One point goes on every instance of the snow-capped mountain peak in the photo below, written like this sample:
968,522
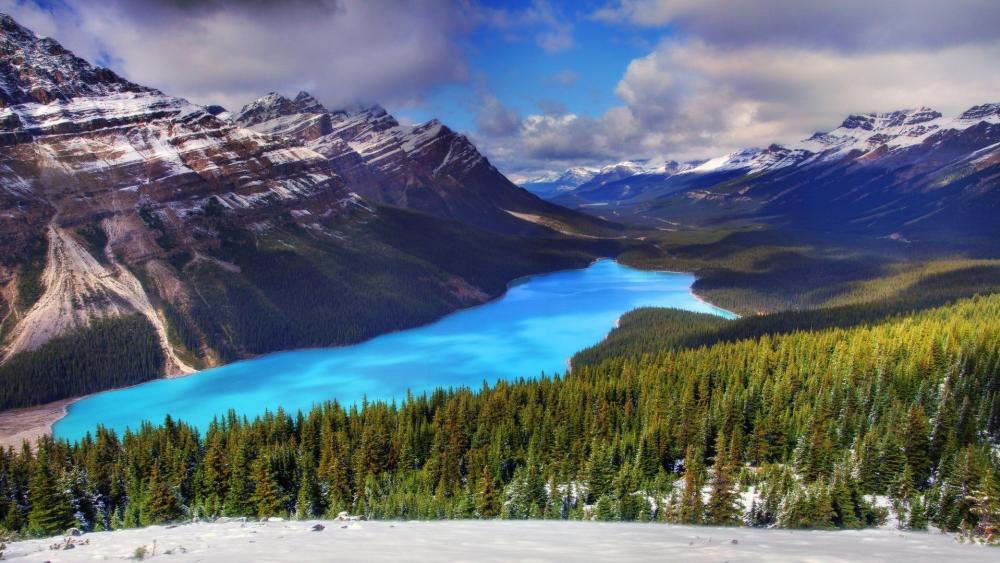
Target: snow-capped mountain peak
38,69
274,105
985,112
862,133
858,134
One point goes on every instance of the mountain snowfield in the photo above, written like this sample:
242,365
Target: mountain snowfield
472,540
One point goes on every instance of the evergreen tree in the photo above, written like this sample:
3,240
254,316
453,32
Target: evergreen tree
843,496
606,509
267,497
215,476
956,500
723,507
161,504
239,492
14,518
917,445
890,463
308,500
51,511
901,493
986,507
600,471
487,496
691,509
918,514
630,500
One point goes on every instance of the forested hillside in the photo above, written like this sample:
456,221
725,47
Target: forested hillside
292,288
763,269
815,426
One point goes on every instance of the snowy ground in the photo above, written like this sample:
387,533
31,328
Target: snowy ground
499,541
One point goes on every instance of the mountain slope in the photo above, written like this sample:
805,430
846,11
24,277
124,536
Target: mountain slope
121,203
426,167
908,173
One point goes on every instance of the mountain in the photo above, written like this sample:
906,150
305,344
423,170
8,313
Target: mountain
584,178
908,174
551,185
426,167
141,234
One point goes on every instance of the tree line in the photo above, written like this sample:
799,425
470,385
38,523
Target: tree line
822,428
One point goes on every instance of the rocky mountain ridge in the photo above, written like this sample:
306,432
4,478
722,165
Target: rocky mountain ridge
427,167
877,173
118,200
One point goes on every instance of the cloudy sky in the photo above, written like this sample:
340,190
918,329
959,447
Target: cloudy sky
542,85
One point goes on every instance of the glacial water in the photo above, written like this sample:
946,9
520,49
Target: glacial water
533,329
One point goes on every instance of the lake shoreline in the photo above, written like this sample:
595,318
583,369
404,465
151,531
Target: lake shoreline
31,423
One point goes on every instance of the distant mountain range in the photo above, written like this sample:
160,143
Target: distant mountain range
907,173
233,234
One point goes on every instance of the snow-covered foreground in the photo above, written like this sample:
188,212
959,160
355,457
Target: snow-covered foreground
499,541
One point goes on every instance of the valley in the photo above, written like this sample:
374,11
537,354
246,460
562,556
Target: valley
128,211
533,329
300,309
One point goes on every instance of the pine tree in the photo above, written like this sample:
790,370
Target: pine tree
215,476
691,509
647,458
918,514
240,489
334,471
600,471
606,509
900,494
487,496
843,496
14,519
267,497
630,501
51,511
917,445
161,504
307,501
986,507
890,464
954,507
724,502
526,496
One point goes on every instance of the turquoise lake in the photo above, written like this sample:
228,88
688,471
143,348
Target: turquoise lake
533,329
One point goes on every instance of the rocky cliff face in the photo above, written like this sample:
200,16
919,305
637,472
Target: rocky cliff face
38,69
426,167
90,158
